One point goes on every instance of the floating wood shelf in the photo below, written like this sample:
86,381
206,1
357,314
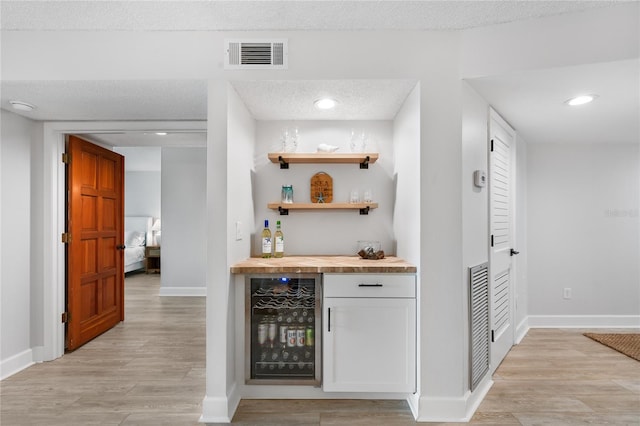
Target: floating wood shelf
284,208
284,158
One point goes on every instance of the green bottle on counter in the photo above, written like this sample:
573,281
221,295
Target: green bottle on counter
279,237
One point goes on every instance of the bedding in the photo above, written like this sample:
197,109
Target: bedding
136,234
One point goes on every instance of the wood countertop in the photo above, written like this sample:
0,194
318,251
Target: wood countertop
322,264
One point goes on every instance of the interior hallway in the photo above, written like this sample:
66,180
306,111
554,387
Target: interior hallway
149,370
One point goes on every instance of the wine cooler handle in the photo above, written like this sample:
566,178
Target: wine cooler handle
369,285
329,319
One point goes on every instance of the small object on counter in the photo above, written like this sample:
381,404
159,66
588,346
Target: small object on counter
371,255
370,250
323,147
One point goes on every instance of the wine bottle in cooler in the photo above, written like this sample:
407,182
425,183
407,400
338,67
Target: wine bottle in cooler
266,240
279,240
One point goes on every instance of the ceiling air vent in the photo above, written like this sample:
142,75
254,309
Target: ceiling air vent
256,54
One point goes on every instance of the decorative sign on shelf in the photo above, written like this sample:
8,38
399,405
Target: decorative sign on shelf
321,188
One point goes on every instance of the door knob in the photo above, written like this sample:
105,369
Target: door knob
121,246
514,252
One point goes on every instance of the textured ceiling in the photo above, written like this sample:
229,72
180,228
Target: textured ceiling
111,99
276,15
537,110
293,100
533,102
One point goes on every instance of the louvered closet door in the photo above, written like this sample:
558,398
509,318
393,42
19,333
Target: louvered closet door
501,238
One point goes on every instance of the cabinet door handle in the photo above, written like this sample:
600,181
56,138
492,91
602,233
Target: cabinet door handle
329,319
369,285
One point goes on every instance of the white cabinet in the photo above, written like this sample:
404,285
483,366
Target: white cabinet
369,333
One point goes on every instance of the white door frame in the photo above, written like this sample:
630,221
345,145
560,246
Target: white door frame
53,285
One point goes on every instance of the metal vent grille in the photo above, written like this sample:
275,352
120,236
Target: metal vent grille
478,323
256,54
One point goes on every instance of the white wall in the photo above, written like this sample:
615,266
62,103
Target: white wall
583,228
475,201
325,232
241,175
15,260
184,221
406,178
520,263
241,128
142,194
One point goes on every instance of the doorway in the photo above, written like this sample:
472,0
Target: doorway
53,290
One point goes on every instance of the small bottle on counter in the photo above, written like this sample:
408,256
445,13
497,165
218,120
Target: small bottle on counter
266,240
279,237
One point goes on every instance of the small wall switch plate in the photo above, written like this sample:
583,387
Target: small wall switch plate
566,293
480,178
238,231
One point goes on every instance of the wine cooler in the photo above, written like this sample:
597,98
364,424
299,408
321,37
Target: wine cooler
283,329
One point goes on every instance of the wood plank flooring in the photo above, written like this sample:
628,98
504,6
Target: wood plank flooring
149,370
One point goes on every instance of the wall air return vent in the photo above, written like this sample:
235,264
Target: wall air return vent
256,54
478,323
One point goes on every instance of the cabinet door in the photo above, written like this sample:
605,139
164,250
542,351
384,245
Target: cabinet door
369,345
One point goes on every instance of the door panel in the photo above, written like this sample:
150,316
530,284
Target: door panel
95,271
369,345
501,226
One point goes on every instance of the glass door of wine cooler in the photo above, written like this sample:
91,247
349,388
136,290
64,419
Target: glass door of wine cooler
283,329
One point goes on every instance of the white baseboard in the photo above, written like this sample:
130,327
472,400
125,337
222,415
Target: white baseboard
16,363
521,330
584,321
183,291
220,409
450,410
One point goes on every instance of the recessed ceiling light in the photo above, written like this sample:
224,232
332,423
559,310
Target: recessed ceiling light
580,100
325,103
161,133
22,106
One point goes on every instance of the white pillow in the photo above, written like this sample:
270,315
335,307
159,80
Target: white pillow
134,239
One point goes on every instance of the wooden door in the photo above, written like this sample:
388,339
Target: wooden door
95,255
501,193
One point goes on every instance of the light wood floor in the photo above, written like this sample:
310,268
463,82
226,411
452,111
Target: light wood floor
149,370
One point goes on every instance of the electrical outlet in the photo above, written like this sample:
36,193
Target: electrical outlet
238,231
566,293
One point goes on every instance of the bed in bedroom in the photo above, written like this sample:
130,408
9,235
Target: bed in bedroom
137,231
